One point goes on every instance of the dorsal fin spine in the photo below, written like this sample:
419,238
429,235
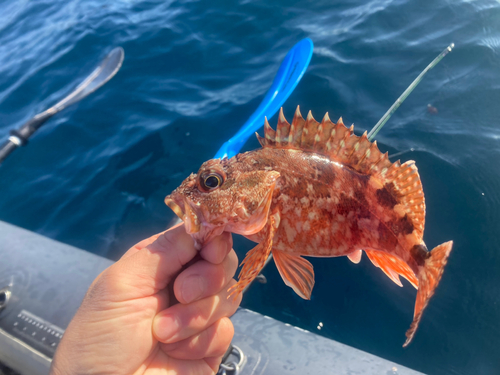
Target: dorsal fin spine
296,128
343,142
282,116
324,132
261,140
269,133
329,143
309,133
354,148
362,142
379,165
359,142
283,129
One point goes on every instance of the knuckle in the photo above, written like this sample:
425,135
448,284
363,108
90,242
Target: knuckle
167,242
103,287
218,337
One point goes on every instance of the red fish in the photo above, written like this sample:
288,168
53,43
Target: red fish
315,189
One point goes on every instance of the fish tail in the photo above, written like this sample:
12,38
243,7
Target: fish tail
429,276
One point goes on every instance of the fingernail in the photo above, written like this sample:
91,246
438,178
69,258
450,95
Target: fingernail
165,327
192,288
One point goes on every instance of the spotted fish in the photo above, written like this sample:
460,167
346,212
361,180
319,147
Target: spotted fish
315,189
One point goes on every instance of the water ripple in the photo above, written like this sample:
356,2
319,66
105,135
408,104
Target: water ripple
95,175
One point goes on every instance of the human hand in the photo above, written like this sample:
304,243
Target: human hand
128,322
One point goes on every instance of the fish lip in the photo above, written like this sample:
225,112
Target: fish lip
177,207
186,211
193,218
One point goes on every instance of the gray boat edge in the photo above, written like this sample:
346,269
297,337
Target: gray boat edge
48,279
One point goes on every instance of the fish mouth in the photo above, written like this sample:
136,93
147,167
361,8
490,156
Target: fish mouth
169,201
184,210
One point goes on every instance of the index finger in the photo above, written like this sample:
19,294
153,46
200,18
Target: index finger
140,245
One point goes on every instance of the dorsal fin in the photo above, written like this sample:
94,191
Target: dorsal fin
340,144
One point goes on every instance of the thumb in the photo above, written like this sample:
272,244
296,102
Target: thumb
149,266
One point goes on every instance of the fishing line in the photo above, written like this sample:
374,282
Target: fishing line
390,112
407,92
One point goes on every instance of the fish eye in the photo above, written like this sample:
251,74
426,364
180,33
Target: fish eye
211,181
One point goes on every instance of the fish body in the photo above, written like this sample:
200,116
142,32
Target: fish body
328,210
315,189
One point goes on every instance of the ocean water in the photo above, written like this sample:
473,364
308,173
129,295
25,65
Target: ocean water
95,175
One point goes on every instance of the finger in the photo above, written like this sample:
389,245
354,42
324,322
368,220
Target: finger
146,242
212,342
161,363
216,250
150,269
139,246
214,363
204,279
182,321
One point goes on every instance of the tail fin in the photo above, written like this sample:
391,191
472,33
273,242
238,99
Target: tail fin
428,279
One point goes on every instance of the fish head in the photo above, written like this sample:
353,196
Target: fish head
224,195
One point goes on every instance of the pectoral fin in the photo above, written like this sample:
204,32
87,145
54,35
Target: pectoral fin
255,258
296,272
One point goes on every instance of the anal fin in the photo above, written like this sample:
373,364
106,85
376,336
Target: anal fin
296,272
392,267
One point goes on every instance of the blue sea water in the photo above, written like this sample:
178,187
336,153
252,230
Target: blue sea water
95,175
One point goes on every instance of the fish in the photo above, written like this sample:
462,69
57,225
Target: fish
318,190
